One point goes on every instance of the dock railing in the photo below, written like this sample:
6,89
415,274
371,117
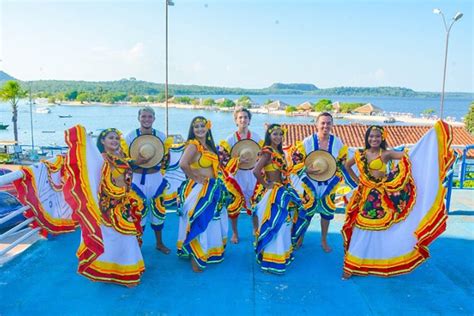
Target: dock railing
21,231
467,167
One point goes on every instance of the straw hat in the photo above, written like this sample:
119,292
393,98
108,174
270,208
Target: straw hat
149,147
247,149
324,162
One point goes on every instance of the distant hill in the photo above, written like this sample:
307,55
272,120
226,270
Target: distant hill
5,77
293,86
371,91
132,86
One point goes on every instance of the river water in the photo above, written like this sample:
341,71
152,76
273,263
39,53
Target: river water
48,129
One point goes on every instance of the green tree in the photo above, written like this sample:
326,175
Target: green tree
469,119
60,96
151,99
82,97
138,99
209,102
323,105
290,109
107,98
12,92
183,100
227,104
428,112
268,101
161,97
244,101
347,107
71,95
52,99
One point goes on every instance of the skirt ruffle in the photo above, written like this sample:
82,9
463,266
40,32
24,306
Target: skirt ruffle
404,245
273,247
203,222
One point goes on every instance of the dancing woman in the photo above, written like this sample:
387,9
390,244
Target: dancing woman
393,216
201,199
107,210
275,202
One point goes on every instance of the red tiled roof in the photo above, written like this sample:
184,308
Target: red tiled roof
353,134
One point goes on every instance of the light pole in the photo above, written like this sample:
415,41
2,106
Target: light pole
448,29
167,3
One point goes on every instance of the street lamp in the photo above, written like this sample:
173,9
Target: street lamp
167,3
448,29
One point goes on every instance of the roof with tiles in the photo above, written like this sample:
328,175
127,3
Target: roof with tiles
353,134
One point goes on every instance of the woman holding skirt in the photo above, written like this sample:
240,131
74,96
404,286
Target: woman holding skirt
275,201
393,216
107,210
201,200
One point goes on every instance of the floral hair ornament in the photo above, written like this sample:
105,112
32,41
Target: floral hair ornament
382,131
123,143
109,130
207,123
276,127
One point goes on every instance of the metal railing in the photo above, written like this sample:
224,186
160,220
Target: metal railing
21,231
21,153
465,167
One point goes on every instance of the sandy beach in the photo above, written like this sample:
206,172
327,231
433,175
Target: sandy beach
406,119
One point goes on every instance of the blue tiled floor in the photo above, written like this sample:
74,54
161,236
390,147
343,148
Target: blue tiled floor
43,280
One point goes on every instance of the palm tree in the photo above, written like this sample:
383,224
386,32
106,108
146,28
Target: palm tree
12,92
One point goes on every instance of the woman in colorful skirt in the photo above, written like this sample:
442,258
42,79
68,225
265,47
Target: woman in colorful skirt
275,201
201,200
393,216
107,210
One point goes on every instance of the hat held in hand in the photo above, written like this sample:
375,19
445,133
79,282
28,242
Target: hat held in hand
323,162
149,147
246,149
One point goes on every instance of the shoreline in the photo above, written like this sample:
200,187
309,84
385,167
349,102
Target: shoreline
406,119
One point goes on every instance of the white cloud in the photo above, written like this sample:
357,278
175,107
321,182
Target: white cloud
379,74
130,55
136,52
99,49
197,66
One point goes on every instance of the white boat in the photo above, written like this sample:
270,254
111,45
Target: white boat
43,110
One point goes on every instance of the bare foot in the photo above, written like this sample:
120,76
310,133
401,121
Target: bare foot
195,266
132,285
325,246
163,249
346,275
235,239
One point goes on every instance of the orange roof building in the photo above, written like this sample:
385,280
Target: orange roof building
353,135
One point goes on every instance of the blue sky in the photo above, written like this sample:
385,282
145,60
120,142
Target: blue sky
232,43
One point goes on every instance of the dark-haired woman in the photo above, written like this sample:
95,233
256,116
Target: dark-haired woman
105,207
394,215
201,199
275,202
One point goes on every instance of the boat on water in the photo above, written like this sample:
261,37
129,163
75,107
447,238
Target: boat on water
65,116
3,126
43,110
